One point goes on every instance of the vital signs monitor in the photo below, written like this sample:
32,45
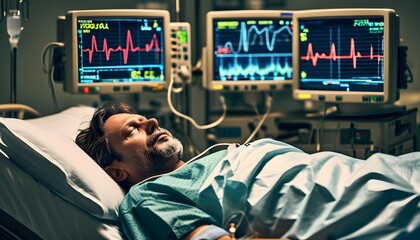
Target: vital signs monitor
117,51
346,55
248,50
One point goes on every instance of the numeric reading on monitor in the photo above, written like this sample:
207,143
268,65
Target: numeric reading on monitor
252,49
120,49
342,54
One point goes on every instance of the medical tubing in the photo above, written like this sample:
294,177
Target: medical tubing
242,216
321,129
178,90
25,8
51,82
49,47
177,10
327,112
268,103
208,149
13,77
48,68
191,120
337,130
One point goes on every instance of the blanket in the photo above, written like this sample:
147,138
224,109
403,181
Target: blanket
272,189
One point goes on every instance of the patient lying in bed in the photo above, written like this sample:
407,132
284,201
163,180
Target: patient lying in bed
264,189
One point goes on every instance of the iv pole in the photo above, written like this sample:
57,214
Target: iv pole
3,10
13,53
14,28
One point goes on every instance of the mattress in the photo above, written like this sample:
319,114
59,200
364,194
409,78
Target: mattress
43,213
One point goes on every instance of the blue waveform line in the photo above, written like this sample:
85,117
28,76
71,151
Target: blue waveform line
245,35
253,70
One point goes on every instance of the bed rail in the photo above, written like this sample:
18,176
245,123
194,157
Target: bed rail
17,110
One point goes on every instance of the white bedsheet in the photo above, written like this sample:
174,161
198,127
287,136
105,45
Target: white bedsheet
43,212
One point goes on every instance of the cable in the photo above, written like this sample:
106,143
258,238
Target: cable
320,130
208,149
178,90
233,227
191,120
45,50
256,111
327,111
48,68
268,104
177,10
336,134
352,139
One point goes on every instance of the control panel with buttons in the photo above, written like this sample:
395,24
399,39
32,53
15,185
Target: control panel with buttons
181,52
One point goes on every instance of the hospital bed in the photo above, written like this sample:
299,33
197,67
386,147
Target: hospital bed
50,189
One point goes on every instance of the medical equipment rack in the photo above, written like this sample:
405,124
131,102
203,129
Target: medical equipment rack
356,136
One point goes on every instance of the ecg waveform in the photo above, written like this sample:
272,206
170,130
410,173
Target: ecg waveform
128,48
252,69
314,57
245,39
254,52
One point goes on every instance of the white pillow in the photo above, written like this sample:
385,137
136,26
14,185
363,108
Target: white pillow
45,149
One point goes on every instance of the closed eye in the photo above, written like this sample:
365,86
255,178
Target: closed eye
134,124
132,130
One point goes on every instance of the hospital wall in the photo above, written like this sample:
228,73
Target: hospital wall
32,83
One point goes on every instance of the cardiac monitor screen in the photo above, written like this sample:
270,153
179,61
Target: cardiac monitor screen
120,49
252,49
342,54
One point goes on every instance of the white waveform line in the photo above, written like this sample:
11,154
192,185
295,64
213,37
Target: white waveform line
245,35
252,69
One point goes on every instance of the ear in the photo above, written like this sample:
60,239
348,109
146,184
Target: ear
116,171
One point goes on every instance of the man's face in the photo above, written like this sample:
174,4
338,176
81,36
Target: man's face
145,149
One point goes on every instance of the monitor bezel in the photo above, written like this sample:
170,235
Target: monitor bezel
210,83
72,82
391,42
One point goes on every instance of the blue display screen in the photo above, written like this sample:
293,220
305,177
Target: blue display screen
342,54
253,49
120,49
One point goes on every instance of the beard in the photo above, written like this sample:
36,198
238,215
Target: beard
165,156
169,149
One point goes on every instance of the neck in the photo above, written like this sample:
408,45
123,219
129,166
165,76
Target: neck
179,164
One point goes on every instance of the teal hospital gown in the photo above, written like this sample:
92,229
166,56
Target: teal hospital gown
165,207
271,189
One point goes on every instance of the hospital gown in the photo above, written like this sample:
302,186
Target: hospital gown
271,189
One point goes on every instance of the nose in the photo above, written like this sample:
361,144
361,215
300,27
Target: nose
150,125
